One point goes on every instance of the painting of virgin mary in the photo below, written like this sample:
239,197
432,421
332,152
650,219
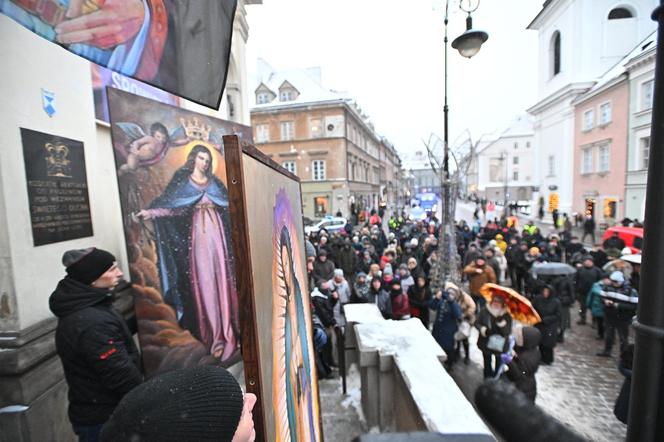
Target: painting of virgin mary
191,228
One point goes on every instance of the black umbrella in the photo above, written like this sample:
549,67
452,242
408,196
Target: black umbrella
552,269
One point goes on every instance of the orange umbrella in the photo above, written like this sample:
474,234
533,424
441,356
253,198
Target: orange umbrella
519,307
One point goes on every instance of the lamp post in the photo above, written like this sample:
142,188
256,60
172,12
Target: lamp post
646,408
468,44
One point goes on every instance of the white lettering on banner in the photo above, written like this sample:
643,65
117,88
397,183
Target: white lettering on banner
123,83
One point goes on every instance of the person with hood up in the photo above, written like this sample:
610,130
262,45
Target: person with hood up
388,275
550,310
400,305
500,242
620,304
99,357
380,297
524,361
361,289
324,309
419,295
468,308
323,268
405,277
494,323
448,313
479,273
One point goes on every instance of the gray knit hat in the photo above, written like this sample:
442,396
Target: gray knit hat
189,405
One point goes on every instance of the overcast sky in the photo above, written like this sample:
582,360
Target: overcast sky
388,54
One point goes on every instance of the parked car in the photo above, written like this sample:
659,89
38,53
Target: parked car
329,223
633,236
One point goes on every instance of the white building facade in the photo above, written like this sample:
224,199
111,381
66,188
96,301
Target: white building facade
506,166
641,71
578,41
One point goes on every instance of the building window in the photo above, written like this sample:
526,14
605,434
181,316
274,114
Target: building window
588,119
604,158
645,151
647,90
287,130
286,95
262,133
527,144
552,165
605,114
516,145
587,161
290,166
262,98
316,128
318,170
515,176
620,13
555,53
320,206
515,160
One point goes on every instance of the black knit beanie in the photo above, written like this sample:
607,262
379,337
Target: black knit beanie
87,265
193,404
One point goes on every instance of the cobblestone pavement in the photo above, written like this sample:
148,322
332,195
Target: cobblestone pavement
342,414
579,388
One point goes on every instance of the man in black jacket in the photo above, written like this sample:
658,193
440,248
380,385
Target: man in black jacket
99,357
586,276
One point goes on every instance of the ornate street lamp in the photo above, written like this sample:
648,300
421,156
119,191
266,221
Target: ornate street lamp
468,44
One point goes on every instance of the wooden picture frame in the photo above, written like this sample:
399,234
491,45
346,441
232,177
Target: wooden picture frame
274,306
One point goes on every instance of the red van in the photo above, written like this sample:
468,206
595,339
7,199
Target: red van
633,236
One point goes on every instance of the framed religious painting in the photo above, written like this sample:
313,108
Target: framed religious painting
173,186
277,327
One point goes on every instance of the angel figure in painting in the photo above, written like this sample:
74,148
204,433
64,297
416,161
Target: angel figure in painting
147,149
292,371
191,225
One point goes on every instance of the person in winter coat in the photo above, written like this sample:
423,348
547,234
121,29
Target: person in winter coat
323,308
323,268
523,265
621,407
448,313
340,290
479,273
414,268
549,309
364,264
500,243
493,322
347,258
419,296
400,305
99,357
468,309
407,280
564,288
586,276
360,289
596,306
620,303
381,298
523,364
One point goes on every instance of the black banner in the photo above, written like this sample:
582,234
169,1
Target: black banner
57,187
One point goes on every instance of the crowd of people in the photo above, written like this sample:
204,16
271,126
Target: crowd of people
393,264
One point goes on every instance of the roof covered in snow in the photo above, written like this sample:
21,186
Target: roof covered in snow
620,68
306,82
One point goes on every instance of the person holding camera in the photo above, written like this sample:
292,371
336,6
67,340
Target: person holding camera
494,323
